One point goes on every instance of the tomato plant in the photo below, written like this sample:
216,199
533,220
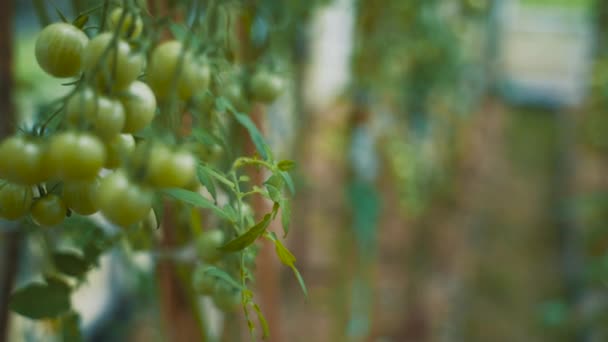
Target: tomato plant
145,126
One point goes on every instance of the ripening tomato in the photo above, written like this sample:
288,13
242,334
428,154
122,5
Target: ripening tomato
163,72
59,49
75,156
22,160
15,200
168,169
203,282
107,115
81,196
207,245
117,68
121,201
48,210
226,297
131,26
140,106
265,86
118,150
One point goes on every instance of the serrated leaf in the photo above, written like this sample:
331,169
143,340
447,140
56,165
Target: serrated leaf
80,21
287,177
285,216
242,241
196,200
263,322
38,301
286,165
254,133
206,180
288,259
70,263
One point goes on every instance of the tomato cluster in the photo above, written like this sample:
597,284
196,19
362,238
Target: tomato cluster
50,175
55,174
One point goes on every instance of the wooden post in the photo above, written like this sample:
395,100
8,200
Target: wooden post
11,238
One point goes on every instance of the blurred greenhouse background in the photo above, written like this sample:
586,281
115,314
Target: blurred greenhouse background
452,179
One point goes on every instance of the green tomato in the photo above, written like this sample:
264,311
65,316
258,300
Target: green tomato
195,81
162,73
131,27
118,68
168,169
81,108
81,196
76,156
265,86
22,160
207,245
59,49
48,210
107,115
110,118
15,200
122,202
226,297
140,106
203,282
119,149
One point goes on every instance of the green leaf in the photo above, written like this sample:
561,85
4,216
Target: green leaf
218,176
196,200
231,212
263,322
288,259
70,328
274,186
204,138
70,263
204,178
57,282
285,216
221,274
286,165
242,241
38,301
178,31
254,133
80,21
287,177
86,236
63,18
